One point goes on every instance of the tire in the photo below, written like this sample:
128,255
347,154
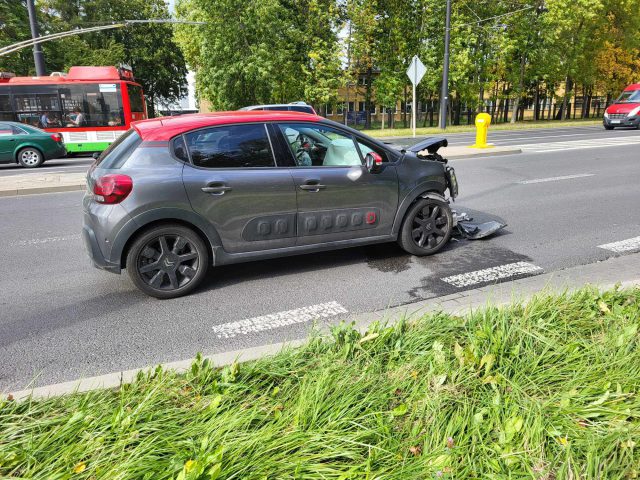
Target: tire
608,127
30,157
167,261
426,228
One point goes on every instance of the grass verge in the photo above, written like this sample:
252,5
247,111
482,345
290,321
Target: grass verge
406,132
546,390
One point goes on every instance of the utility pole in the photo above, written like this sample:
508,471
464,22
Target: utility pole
444,94
38,57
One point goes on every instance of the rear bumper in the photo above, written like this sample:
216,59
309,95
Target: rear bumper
59,152
93,249
622,122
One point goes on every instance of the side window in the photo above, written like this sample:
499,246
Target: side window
5,129
180,149
365,148
231,146
320,146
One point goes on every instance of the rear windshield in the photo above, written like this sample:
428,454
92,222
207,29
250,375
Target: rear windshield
118,152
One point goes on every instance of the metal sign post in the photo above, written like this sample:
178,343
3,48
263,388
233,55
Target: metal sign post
415,72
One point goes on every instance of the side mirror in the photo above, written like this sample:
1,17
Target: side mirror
373,162
96,155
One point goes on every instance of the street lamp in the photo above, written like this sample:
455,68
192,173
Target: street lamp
38,57
444,94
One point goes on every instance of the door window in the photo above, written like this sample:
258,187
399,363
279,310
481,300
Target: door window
5,130
231,146
320,146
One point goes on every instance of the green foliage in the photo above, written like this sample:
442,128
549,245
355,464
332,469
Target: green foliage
545,390
261,52
157,62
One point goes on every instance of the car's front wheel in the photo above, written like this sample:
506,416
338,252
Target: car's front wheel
427,227
608,127
30,157
168,261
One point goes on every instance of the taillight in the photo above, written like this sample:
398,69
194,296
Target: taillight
113,188
57,137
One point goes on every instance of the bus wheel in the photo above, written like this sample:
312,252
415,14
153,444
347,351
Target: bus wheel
30,157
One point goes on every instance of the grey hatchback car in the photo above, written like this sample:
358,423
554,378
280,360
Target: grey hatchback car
174,196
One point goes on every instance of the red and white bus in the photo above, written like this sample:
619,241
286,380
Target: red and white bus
90,106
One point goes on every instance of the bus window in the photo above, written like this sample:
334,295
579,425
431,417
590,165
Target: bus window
92,105
135,98
38,110
6,112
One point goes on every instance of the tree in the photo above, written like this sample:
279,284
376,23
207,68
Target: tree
14,27
149,49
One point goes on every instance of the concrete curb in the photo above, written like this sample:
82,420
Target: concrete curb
621,270
36,190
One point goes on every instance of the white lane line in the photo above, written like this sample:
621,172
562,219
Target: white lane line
40,241
280,319
492,274
580,144
554,179
623,246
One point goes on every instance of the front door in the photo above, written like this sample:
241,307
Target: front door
338,199
233,182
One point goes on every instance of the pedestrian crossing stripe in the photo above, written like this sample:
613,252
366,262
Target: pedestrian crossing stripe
580,144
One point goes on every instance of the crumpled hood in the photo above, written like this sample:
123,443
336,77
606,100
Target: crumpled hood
622,107
431,144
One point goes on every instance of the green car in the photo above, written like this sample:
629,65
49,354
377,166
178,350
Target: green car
29,146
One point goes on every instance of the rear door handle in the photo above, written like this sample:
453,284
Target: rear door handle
312,186
216,189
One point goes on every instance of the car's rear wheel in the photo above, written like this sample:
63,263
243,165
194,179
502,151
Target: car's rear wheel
427,227
30,157
168,261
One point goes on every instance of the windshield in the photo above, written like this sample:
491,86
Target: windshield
630,96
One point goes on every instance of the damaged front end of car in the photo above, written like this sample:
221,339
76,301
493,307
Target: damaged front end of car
466,226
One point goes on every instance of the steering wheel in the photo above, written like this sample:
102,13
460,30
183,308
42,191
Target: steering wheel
303,157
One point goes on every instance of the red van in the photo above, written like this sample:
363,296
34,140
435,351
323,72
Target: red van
625,111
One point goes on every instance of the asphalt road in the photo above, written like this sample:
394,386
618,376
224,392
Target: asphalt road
61,319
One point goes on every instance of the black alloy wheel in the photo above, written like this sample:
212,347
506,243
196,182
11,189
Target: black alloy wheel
168,261
427,227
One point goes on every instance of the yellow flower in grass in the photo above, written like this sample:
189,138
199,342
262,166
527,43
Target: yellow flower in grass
80,467
188,465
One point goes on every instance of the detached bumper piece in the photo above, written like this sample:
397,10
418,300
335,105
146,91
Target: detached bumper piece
467,228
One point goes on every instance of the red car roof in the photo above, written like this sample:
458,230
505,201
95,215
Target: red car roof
165,128
633,86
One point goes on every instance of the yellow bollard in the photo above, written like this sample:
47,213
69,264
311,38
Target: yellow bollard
483,120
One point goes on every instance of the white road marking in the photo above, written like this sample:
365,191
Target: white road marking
580,144
553,179
623,246
280,319
40,241
492,274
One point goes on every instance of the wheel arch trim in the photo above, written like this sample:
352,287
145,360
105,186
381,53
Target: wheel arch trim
429,189
158,216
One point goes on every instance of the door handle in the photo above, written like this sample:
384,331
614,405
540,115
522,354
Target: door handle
312,186
216,189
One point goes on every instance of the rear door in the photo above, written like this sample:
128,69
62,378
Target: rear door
232,180
338,199
7,142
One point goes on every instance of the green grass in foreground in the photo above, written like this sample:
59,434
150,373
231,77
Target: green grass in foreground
549,390
406,132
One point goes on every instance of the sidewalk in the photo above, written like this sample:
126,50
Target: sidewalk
30,183
624,270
